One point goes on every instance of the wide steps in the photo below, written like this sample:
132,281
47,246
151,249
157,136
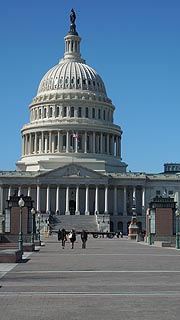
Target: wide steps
77,222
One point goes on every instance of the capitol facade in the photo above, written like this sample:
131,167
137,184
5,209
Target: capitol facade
71,160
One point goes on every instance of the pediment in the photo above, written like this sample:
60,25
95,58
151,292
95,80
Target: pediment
72,170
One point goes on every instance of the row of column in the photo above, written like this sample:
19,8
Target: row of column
77,197
58,141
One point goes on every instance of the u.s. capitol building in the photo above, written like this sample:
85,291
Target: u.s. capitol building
71,151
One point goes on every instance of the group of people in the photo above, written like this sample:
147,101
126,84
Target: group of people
63,237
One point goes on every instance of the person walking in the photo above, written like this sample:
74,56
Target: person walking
72,238
84,236
62,236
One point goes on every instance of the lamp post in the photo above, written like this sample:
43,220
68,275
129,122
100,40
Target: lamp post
39,222
177,229
32,226
20,240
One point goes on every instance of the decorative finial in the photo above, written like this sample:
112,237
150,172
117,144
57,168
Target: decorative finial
73,26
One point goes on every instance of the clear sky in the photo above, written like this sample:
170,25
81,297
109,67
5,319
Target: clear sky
133,44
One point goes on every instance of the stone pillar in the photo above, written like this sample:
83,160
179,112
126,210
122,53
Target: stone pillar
106,200
9,192
30,143
77,200
48,199
1,200
115,201
35,143
143,200
67,141
38,198
19,191
1,210
125,203
67,201
85,142
42,142
57,200
50,142
94,142
29,191
87,201
97,200
108,143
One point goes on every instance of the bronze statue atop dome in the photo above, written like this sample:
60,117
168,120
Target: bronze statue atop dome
72,16
73,26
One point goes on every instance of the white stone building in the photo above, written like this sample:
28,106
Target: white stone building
71,151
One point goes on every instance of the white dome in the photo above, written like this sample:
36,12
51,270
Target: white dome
70,74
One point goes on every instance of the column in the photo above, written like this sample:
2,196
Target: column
125,203
101,143
115,201
108,143
112,145
42,142
143,200
57,200
87,201
53,137
19,191
38,198
23,147
48,199
85,142
58,148
30,143
77,200
29,191
94,142
67,141
35,143
96,200
134,197
1,209
1,200
9,192
50,142
106,200
67,201
76,143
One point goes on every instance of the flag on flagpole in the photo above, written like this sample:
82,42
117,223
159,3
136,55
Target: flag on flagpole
75,136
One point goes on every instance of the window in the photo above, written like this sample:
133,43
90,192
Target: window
158,192
72,112
99,113
65,112
87,113
93,113
79,112
104,115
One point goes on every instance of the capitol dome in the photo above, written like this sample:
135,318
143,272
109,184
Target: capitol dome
69,75
71,118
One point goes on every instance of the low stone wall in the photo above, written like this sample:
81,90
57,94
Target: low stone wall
10,256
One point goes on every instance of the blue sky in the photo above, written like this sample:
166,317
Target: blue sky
133,44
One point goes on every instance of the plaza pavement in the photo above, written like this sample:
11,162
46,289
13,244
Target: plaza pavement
111,279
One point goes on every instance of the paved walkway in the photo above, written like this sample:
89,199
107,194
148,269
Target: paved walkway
111,279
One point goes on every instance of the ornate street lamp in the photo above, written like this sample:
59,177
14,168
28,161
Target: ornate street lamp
20,240
33,211
177,229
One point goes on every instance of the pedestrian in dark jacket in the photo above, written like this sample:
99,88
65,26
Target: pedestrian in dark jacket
72,238
84,237
62,236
